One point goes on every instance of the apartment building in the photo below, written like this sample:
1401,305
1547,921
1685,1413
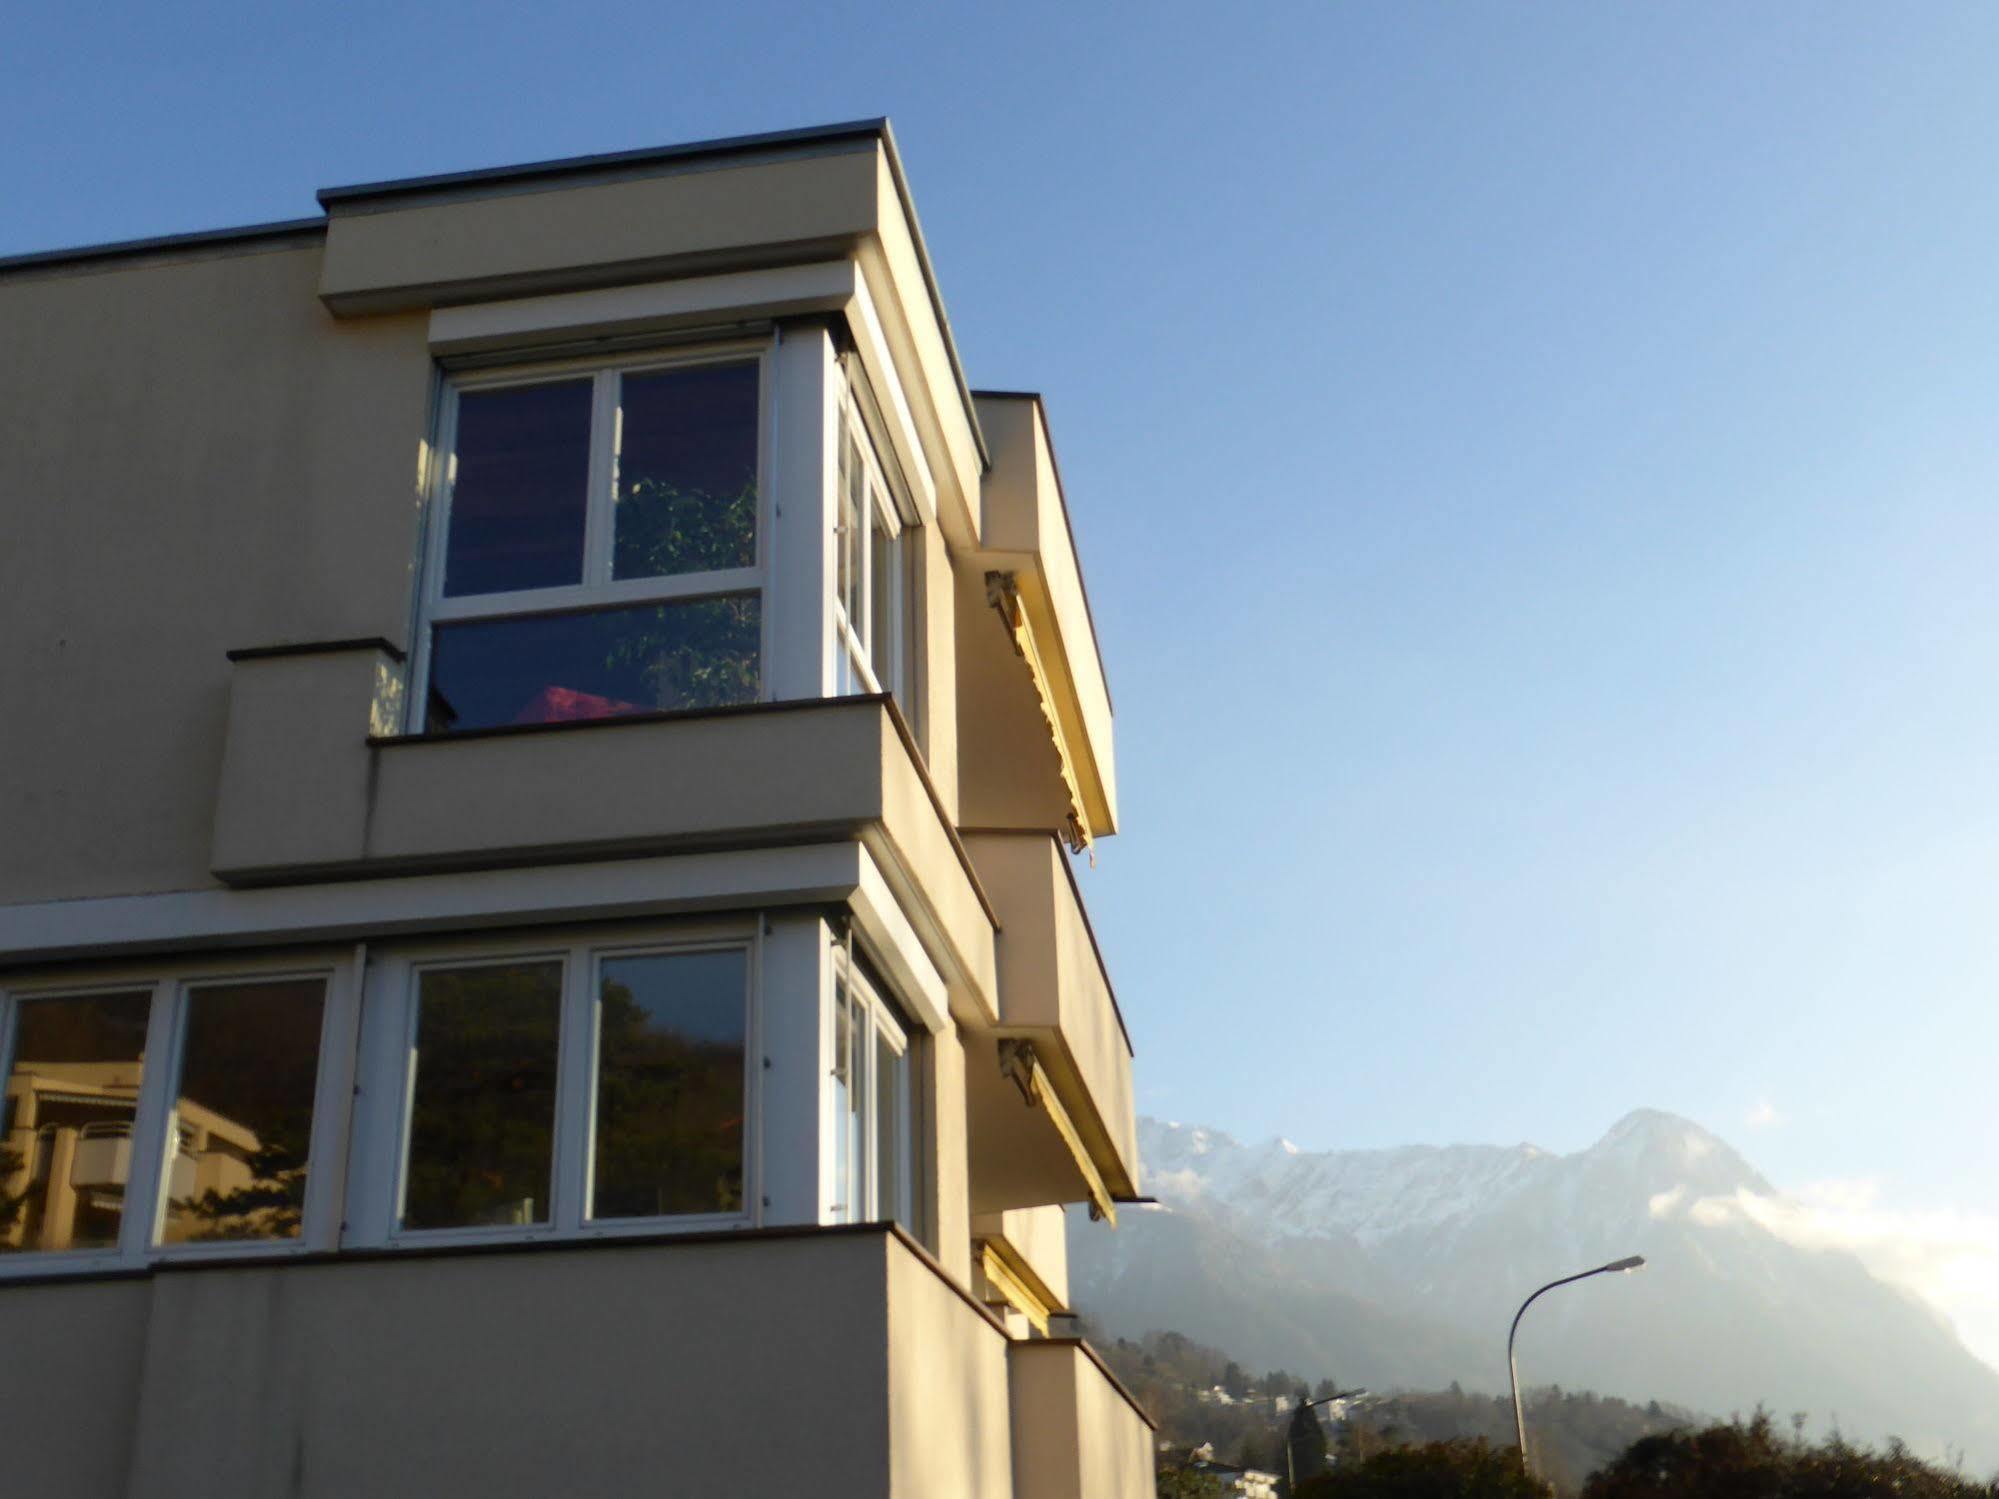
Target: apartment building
548,737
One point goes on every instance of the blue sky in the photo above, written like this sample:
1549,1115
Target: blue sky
1535,468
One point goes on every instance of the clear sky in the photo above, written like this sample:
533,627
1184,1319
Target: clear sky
1535,467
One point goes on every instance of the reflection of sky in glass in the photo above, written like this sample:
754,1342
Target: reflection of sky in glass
695,995
517,498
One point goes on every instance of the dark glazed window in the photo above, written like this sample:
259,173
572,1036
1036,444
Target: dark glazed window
548,668
72,1090
519,489
671,1034
243,1112
687,471
482,1111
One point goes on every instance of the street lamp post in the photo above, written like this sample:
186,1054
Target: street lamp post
1629,1263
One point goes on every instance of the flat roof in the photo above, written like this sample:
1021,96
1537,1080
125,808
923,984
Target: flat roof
445,182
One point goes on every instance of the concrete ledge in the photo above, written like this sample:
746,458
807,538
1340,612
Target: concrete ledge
1077,1432
585,1369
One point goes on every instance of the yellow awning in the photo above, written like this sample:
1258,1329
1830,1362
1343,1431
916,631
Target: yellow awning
1016,1283
1017,1058
1004,595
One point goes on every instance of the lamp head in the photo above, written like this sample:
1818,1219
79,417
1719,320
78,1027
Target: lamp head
1633,1262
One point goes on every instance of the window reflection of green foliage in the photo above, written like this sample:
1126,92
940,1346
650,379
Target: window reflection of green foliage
272,1206
484,1107
669,1117
664,529
697,655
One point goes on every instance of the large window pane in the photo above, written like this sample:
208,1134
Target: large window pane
521,475
242,1120
482,1111
72,1090
671,1031
687,471
546,668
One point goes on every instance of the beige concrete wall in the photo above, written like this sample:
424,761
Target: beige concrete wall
1039,1236
181,474
948,1134
1054,990
70,1360
566,233
937,595
949,1430
1009,775
1075,1435
595,1371
1027,532
598,1370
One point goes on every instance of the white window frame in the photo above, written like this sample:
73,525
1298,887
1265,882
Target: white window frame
885,508
853,986
169,985
376,1187
597,589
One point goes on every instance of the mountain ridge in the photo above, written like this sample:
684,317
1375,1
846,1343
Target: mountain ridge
1403,1265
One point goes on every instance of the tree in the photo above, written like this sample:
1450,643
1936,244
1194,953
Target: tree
1749,1458
1461,1469
1177,1482
1234,1381
1305,1443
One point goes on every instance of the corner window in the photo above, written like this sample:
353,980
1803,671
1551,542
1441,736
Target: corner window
171,1113
872,623
872,1104
596,546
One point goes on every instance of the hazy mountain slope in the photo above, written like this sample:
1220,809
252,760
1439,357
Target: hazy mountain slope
1403,1267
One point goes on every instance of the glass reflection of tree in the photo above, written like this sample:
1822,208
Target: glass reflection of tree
669,1117
484,1106
695,655
12,1204
272,1205
249,1070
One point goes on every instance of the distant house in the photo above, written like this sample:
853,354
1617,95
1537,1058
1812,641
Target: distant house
1248,1483
539,947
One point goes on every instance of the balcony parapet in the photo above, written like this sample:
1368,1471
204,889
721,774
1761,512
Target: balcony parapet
1078,1433
317,786
247,1377
1056,996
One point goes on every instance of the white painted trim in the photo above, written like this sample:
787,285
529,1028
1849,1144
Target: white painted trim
895,944
872,345
820,286
353,910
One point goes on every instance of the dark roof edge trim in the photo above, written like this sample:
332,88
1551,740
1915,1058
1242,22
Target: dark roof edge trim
566,166
167,243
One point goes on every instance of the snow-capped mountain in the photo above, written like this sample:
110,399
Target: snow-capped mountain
1404,1267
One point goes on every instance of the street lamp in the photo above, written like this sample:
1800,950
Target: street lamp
1629,1263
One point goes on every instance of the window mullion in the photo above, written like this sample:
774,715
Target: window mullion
600,514
145,1173
575,1105
335,1106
